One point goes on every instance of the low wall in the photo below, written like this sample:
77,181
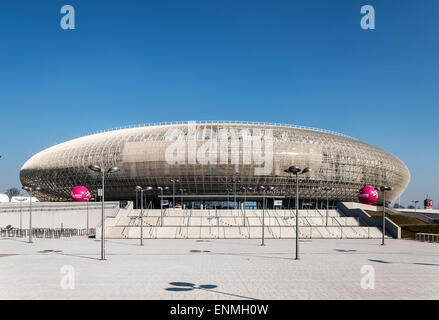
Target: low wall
352,209
55,214
111,220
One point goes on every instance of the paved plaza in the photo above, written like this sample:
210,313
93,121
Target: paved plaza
217,269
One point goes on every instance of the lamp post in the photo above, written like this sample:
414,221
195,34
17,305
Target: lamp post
384,189
296,170
21,224
245,200
140,189
327,189
98,169
416,203
86,200
161,204
173,191
234,180
30,190
263,214
182,190
264,206
137,198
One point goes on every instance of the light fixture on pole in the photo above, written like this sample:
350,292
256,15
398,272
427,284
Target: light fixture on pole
235,180
30,190
296,171
86,200
140,189
161,204
245,197
98,169
137,198
173,191
21,220
416,203
263,213
384,189
327,189
245,200
182,190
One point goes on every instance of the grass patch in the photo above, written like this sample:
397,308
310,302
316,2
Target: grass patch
409,226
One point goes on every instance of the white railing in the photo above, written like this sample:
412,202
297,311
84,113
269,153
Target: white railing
200,122
57,206
429,237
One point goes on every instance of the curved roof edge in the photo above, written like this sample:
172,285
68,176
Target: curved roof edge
273,124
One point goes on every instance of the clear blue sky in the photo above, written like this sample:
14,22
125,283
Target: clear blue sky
300,62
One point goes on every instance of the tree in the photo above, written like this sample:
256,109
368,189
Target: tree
13,192
411,207
398,206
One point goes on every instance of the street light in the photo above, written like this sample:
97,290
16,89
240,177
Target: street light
296,170
416,203
161,205
140,189
384,189
182,190
137,197
21,224
86,200
263,214
234,180
98,169
30,190
327,189
173,191
245,198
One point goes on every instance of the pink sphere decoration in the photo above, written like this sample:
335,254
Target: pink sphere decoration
368,195
80,193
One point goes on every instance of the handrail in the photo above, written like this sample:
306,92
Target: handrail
310,227
341,227
280,227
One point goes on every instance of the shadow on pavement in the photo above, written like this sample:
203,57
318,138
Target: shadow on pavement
187,286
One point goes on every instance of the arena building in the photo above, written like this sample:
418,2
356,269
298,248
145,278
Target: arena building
216,164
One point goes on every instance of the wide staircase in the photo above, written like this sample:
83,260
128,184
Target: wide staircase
239,224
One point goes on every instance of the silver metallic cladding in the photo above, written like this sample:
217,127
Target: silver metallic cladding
339,161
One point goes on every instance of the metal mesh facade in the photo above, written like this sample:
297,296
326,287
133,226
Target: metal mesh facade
209,158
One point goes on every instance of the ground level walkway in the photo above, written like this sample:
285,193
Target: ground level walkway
68,268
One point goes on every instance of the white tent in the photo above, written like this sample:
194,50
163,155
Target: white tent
4,198
24,199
